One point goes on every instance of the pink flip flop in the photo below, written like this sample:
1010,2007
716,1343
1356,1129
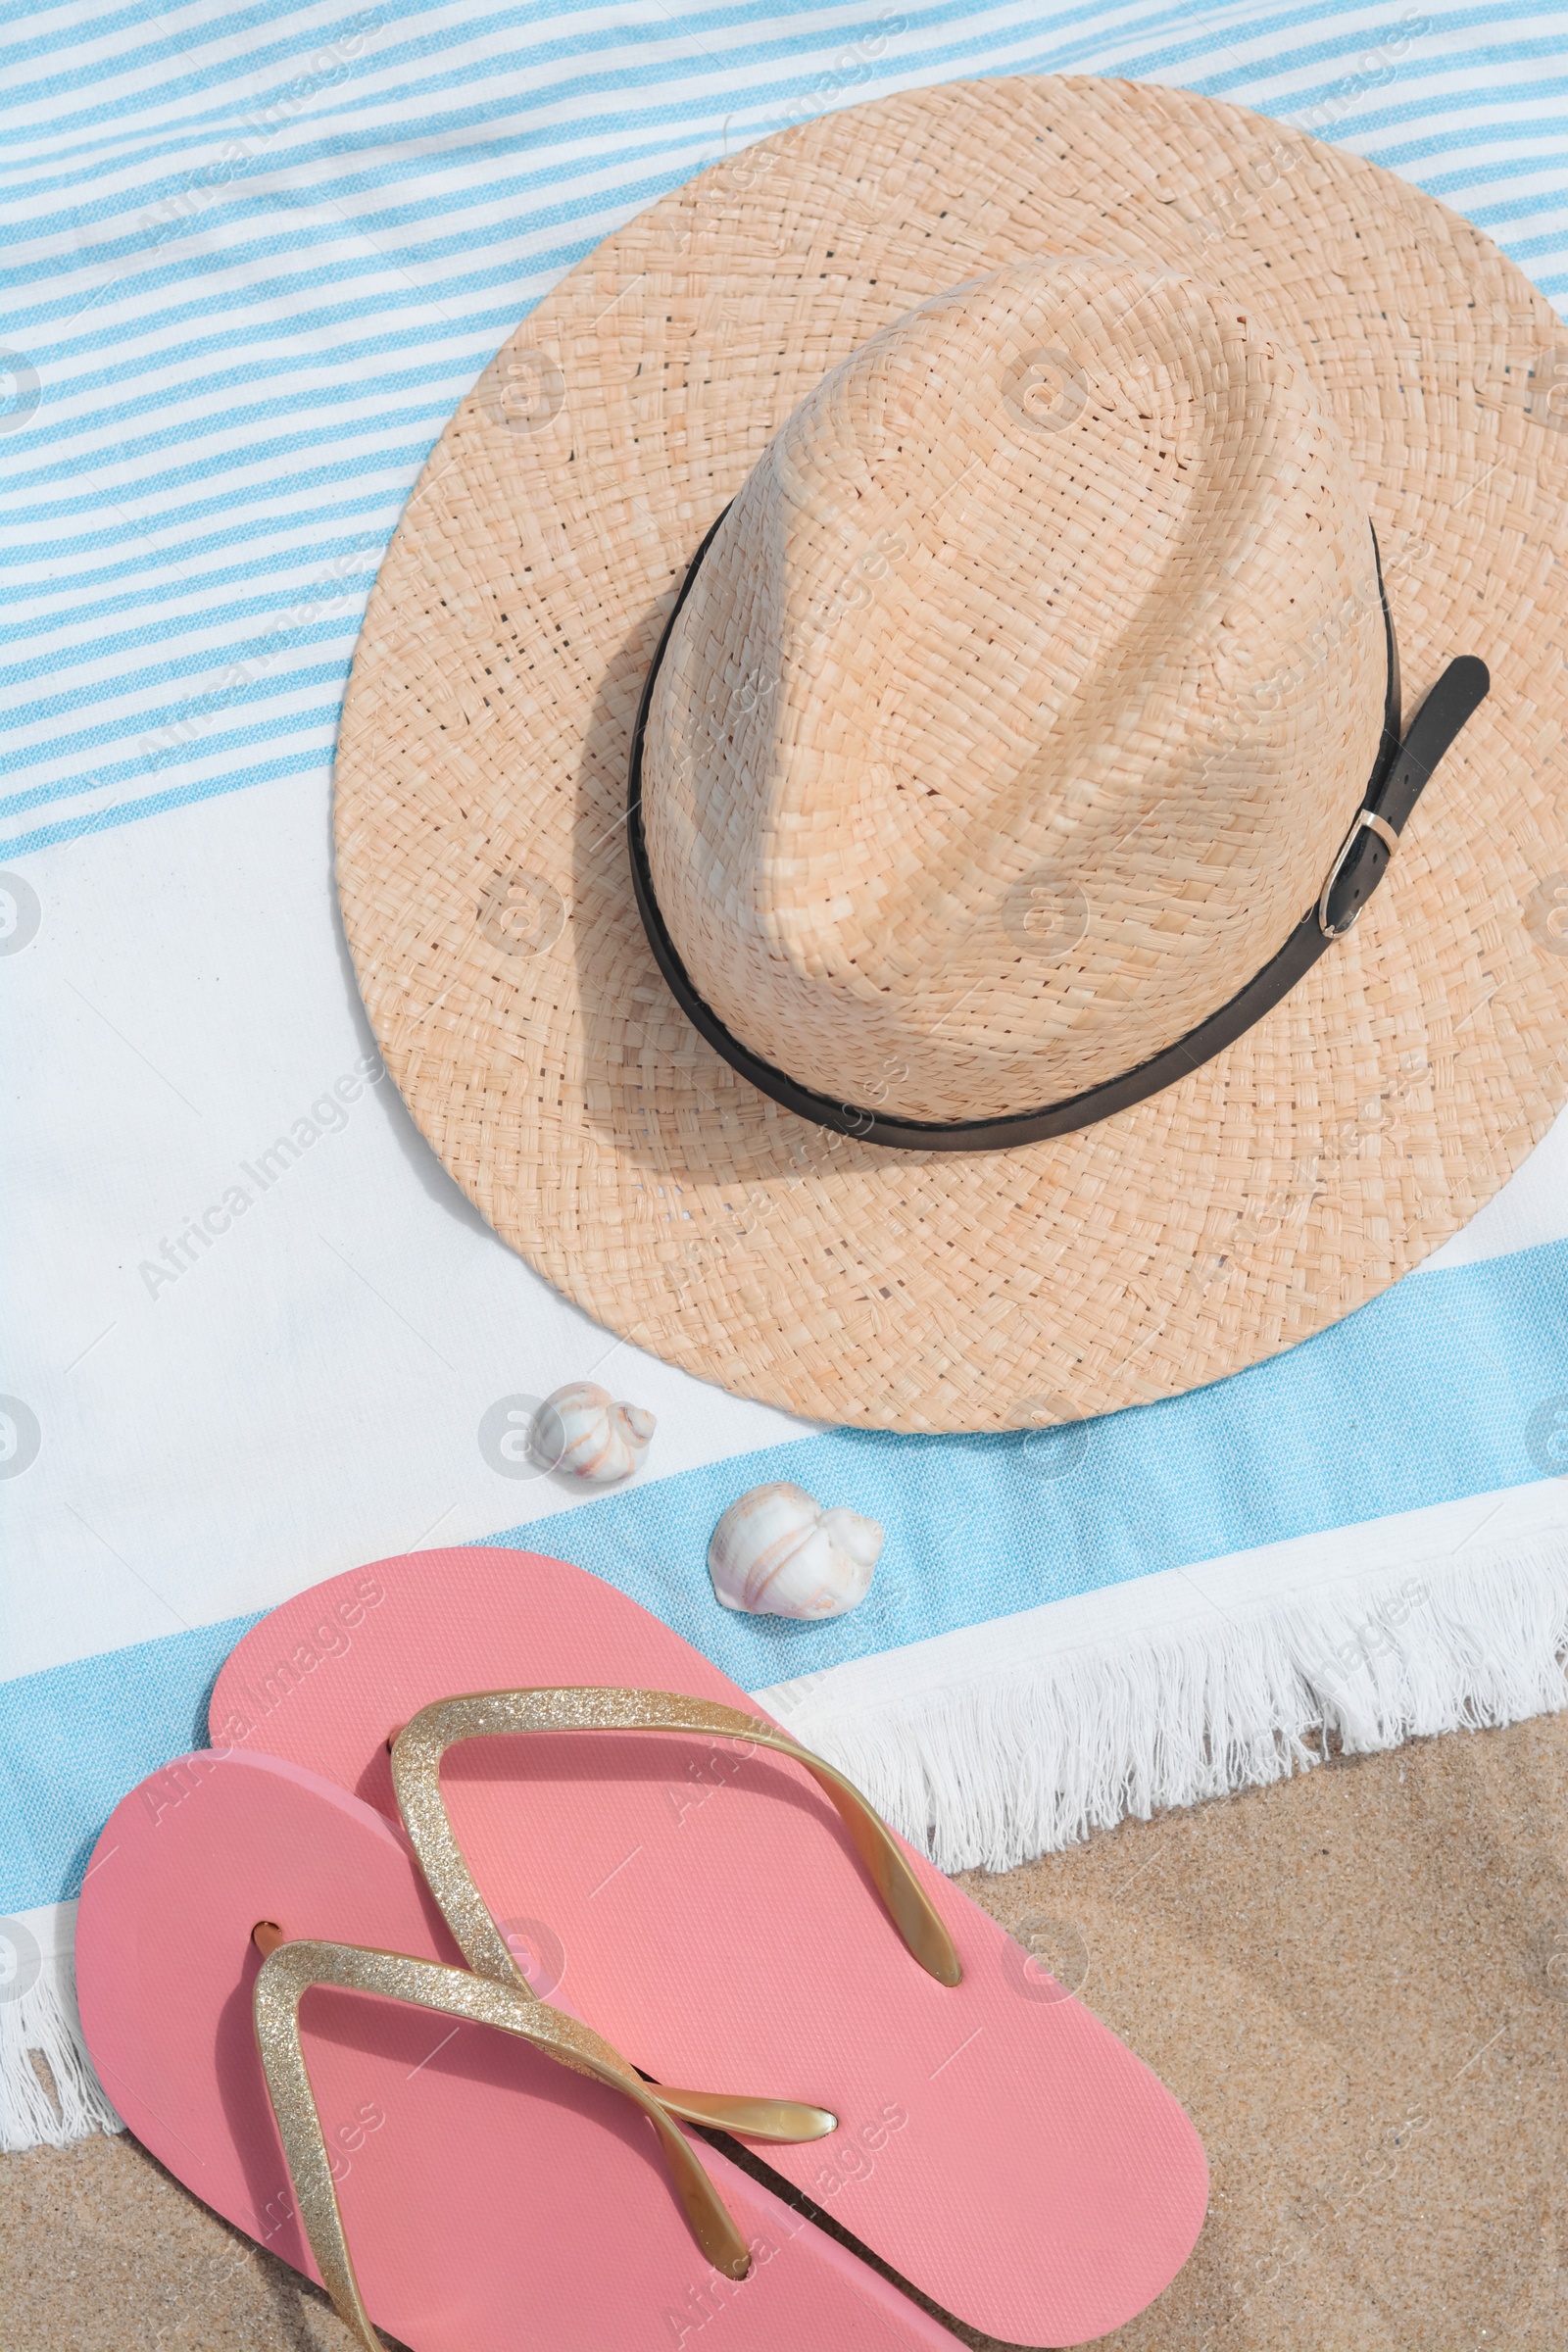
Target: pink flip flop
701,1904
457,2177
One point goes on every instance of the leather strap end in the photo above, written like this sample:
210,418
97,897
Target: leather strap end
1370,845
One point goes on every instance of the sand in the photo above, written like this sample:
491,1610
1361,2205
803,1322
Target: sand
1357,1982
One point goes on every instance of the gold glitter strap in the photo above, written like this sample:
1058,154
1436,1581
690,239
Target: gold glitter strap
287,1974
418,1748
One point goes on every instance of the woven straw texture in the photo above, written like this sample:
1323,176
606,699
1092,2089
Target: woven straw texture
482,783
988,754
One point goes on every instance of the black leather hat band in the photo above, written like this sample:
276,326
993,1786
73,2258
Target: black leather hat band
1399,775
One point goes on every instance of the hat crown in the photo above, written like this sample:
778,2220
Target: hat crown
1023,698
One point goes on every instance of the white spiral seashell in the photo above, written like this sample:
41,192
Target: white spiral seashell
583,1431
777,1554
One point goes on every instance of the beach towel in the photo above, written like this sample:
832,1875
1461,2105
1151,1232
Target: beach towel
253,1334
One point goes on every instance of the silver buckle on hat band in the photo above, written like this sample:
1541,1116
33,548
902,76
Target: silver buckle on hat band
1367,820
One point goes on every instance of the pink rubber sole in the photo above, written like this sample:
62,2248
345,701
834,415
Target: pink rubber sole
494,2201
998,2145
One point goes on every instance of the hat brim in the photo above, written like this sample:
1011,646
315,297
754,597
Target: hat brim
481,785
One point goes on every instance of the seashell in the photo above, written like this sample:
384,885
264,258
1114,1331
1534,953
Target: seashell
777,1554
583,1431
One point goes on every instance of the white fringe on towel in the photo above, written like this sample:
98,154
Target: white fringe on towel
38,2016
1028,1742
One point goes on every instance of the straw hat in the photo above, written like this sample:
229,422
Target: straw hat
960,521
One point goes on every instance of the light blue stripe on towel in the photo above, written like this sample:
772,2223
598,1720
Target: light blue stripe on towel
1424,1396
72,1741
397,164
